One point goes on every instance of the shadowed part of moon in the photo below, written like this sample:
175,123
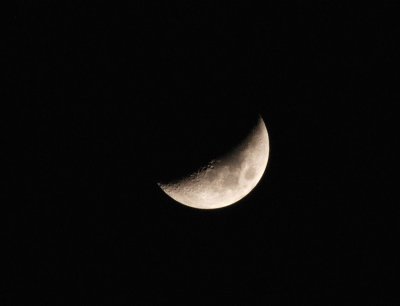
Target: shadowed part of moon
225,180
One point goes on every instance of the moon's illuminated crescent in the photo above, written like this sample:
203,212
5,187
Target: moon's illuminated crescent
226,180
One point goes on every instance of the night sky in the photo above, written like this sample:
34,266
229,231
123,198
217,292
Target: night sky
103,101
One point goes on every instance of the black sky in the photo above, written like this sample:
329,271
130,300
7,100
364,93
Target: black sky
105,100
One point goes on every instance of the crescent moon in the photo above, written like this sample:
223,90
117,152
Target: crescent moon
226,180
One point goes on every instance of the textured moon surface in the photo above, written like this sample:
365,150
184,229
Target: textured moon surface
225,180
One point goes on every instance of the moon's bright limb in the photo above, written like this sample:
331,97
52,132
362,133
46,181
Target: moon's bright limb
226,180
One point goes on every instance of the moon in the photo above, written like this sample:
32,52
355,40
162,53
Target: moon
227,179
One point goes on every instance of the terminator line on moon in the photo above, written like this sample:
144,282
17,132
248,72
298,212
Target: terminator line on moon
225,180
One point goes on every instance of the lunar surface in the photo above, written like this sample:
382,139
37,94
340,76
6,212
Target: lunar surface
225,180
